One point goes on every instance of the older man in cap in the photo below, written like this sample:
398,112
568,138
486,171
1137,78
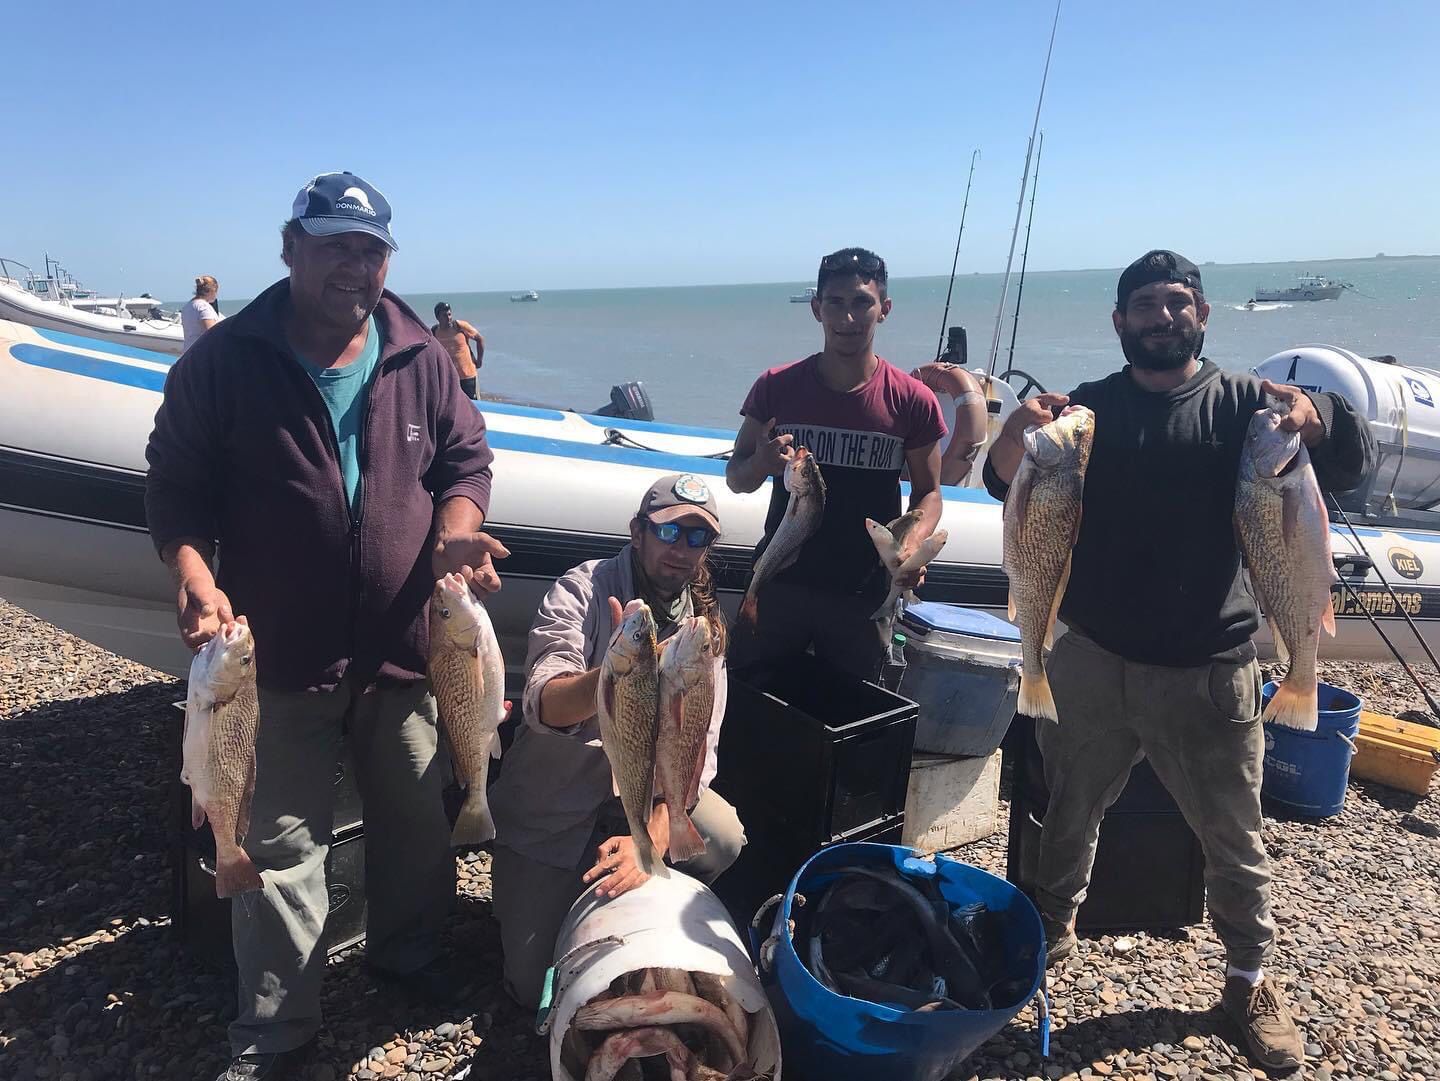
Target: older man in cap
319,445
559,824
1158,661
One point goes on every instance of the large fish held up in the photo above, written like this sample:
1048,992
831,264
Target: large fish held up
628,705
222,714
467,674
802,517
1042,520
901,556
687,704
1285,537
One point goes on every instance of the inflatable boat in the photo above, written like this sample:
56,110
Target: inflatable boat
44,302
75,414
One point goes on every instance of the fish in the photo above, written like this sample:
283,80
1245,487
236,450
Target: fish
687,706
222,718
806,486
467,674
661,1008
900,558
621,1047
1041,522
712,989
1284,534
627,704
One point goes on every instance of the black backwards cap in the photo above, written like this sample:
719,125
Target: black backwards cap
1156,266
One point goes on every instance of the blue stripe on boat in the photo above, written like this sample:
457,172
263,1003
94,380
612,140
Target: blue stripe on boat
111,371
76,341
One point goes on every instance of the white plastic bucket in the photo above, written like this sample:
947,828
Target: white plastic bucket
673,922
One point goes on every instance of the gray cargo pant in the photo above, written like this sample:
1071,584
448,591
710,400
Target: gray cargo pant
531,899
409,869
1201,730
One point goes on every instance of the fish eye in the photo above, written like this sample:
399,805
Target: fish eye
245,661
444,613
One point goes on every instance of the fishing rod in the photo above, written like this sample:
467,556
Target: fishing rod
940,345
1424,645
1025,255
1020,203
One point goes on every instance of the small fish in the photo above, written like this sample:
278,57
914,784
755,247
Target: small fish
661,1008
1285,536
712,989
806,486
636,1043
900,558
628,706
468,676
1041,522
222,716
687,706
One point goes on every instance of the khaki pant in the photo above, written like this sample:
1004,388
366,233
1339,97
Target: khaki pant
1200,729
531,899
409,869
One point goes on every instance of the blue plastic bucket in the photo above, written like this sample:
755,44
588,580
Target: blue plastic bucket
832,1037
1307,771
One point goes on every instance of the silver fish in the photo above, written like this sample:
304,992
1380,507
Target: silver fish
1285,536
687,705
806,486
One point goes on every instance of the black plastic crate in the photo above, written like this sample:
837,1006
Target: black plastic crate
202,920
810,755
1149,871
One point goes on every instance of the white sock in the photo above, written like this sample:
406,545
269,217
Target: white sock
1251,977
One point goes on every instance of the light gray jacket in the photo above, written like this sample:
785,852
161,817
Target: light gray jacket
554,781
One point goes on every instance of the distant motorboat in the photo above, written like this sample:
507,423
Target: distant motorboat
803,298
54,300
528,295
1306,287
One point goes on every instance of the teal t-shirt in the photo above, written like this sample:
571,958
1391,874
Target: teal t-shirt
344,390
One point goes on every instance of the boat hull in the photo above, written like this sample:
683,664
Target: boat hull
18,306
1322,292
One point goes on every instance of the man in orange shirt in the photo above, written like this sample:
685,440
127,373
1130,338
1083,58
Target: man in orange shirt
456,335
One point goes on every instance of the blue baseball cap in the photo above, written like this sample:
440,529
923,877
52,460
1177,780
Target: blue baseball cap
343,203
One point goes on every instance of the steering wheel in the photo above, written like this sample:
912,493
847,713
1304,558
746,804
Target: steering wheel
1030,382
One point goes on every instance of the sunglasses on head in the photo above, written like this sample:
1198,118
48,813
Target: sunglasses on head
696,536
868,263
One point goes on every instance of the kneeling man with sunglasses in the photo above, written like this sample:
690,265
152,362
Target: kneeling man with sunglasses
560,827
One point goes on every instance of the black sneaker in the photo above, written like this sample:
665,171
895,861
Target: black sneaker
1060,940
259,1066
440,983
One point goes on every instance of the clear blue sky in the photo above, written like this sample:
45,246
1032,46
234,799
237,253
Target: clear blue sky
587,144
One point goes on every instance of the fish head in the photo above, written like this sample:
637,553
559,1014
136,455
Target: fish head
633,642
802,474
1267,450
688,649
454,612
228,660
884,542
1063,443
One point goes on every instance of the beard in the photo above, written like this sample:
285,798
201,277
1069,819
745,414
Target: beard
1162,353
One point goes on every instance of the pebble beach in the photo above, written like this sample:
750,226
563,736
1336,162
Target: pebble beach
95,987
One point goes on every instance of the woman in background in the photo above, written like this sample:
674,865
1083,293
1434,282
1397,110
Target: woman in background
201,312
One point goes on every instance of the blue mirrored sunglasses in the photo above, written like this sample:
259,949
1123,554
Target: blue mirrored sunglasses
696,536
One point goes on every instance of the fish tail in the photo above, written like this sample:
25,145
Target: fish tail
1294,706
235,873
474,825
645,855
1035,697
685,840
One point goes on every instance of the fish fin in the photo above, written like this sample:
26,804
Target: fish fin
685,840
607,694
614,784
1282,651
474,825
1036,699
693,793
1292,507
235,873
1010,606
910,597
1327,618
495,747
1294,707
1055,604
748,609
197,813
646,857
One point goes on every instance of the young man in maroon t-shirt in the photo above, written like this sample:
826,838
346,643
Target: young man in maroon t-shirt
863,419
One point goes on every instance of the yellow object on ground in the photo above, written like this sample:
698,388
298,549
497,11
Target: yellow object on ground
1401,754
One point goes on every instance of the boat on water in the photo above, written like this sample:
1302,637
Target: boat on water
55,301
77,553
1306,287
528,296
803,298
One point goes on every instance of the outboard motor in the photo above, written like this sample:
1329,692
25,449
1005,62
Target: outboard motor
957,349
628,401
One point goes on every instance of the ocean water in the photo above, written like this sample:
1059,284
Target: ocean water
698,348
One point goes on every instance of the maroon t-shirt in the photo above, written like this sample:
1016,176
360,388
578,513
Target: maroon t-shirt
859,438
